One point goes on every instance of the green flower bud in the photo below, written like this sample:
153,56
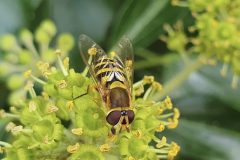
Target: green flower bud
8,42
49,56
25,57
19,153
11,57
138,124
17,97
90,117
63,111
26,36
151,122
49,27
50,89
65,93
197,5
76,79
42,37
137,147
15,82
4,69
123,146
87,152
226,30
177,42
47,131
65,42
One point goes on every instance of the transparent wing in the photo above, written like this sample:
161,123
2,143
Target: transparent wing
91,53
124,54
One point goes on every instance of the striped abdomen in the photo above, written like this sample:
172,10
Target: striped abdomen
110,73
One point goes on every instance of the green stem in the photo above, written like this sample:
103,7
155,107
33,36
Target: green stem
179,79
156,61
63,69
5,144
9,115
38,80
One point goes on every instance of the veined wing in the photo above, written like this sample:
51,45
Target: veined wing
91,52
123,54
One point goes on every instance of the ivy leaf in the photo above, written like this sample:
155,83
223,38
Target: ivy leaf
142,21
202,141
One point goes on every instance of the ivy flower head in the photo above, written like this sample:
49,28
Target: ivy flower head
66,118
21,53
214,36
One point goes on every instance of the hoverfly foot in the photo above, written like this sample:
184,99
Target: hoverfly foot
128,129
113,130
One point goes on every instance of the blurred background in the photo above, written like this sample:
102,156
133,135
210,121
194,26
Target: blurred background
210,119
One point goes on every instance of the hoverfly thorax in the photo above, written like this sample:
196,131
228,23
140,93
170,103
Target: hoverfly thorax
112,75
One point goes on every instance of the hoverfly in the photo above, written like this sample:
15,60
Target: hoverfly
112,74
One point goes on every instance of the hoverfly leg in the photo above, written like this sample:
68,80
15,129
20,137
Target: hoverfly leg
81,94
113,130
127,128
120,129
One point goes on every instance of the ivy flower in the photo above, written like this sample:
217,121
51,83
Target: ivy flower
56,125
214,35
21,53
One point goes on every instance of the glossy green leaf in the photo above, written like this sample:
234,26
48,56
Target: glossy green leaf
142,21
11,16
201,141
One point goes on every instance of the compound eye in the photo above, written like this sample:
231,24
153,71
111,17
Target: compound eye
113,117
130,115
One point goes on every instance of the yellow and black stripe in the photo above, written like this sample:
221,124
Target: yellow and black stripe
109,70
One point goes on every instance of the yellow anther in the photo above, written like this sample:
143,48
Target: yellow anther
92,51
45,95
157,86
77,131
52,109
174,149
46,140
112,138
176,113
160,128
70,105
44,68
168,103
113,54
139,90
131,158
73,148
66,62
27,73
160,110
173,123
138,134
58,52
32,106
104,148
162,142
10,126
62,84
148,79
17,129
